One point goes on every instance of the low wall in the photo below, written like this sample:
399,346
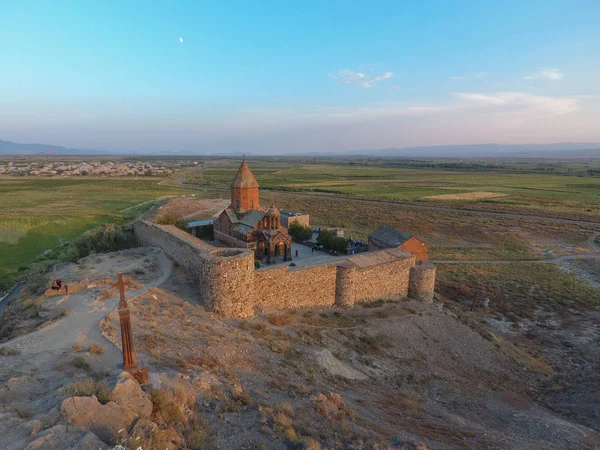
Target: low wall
299,288
373,276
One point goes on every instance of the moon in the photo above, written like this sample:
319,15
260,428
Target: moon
180,39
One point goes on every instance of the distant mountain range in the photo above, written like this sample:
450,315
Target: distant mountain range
12,148
560,150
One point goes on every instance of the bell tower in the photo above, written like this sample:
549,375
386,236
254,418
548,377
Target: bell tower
244,190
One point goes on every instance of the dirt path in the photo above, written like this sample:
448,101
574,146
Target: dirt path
46,346
592,242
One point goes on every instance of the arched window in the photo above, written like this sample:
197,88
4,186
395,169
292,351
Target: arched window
237,204
251,204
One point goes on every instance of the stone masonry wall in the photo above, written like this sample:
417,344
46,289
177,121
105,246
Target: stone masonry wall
225,275
298,288
366,281
230,285
303,220
422,281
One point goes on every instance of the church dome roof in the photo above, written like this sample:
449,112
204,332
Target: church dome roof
244,178
273,211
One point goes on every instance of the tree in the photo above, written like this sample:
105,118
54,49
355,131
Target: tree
299,232
329,240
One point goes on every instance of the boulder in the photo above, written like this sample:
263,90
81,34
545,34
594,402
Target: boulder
105,421
125,391
65,437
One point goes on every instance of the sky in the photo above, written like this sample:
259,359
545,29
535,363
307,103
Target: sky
282,76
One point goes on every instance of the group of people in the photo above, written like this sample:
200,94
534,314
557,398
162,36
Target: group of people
352,243
57,285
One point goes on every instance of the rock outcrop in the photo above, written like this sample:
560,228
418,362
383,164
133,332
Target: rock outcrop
126,392
105,421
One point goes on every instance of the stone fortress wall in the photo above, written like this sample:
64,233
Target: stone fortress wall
232,287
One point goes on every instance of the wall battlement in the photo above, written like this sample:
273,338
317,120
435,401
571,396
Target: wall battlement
231,286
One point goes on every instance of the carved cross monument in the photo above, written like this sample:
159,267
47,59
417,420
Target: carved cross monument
129,362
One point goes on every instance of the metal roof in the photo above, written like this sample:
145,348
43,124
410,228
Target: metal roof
199,223
390,236
252,217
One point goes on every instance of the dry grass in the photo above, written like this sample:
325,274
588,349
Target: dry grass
96,349
466,196
86,388
9,351
79,362
169,407
280,319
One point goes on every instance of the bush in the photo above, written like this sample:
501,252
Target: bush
9,351
165,407
96,349
299,232
103,239
170,219
86,388
330,241
80,363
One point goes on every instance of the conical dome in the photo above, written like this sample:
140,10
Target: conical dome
244,178
273,211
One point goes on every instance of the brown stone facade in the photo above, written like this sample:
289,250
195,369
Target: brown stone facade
289,218
422,281
232,287
413,245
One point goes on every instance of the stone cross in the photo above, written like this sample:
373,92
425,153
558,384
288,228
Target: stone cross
121,285
129,361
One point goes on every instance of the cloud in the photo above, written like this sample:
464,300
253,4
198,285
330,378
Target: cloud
471,75
346,76
521,103
547,74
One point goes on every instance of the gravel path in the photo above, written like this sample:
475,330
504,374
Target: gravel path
45,346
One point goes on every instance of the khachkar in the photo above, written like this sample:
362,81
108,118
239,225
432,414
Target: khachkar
129,362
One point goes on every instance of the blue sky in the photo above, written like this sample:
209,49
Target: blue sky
298,76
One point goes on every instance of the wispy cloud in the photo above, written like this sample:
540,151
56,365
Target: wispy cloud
471,75
508,108
547,74
346,76
521,106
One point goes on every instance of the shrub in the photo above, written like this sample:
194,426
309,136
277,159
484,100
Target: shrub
103,239
170,219
9,351
96,349
165,407
79,362
86,388
197,435
300,232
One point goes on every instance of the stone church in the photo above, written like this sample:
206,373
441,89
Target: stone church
246,224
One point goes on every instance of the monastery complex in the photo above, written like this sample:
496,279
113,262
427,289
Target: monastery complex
232,285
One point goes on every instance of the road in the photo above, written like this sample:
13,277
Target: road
558,259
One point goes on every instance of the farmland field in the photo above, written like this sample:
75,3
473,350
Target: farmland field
38,214
515,190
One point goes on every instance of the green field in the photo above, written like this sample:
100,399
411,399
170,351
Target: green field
566,196
37,214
